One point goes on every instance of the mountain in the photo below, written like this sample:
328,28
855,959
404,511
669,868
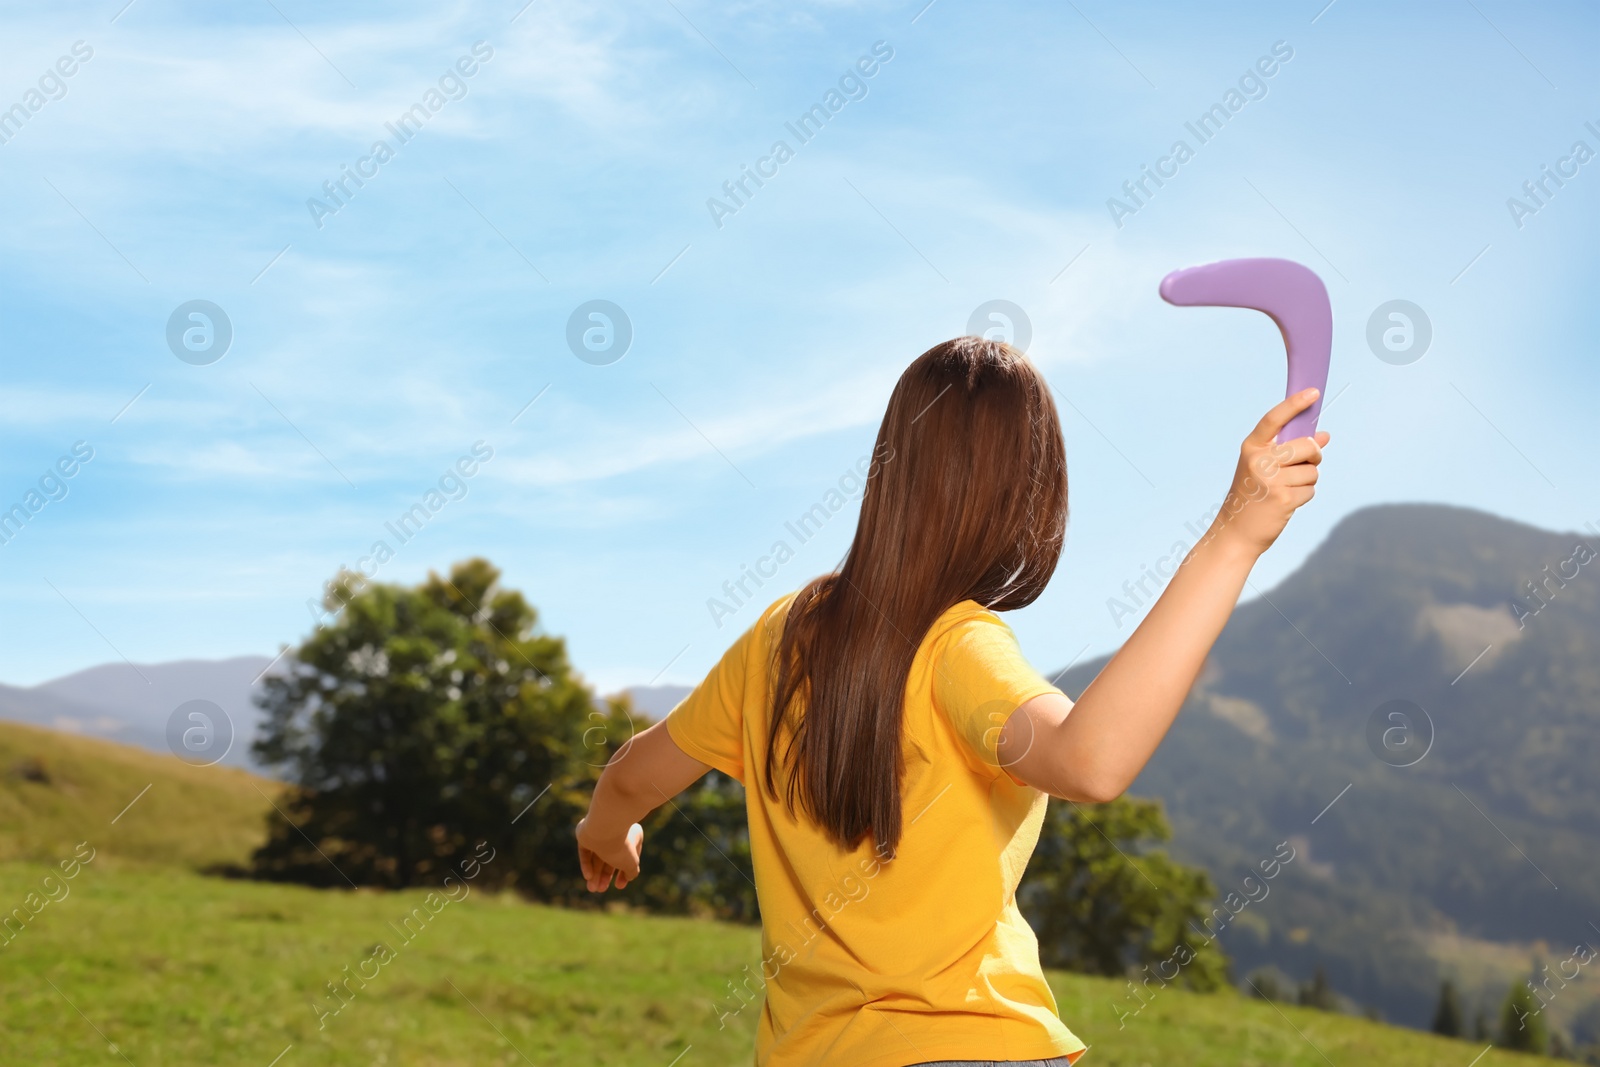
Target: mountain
654,701
1416,710
132,703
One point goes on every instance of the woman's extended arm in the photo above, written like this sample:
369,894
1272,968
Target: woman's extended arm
1096,751
645,773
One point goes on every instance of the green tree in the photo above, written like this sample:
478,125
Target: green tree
696,858
422,721
1101,902
1522,1025
1447,1017
1269,983
1318,993
426,719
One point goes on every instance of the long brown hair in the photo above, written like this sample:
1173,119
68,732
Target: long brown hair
966,500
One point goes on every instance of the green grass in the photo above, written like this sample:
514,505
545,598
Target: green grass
176,968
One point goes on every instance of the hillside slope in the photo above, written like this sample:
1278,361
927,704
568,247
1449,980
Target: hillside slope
58,789
1492,834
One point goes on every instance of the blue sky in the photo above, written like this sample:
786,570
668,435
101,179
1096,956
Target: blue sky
575,164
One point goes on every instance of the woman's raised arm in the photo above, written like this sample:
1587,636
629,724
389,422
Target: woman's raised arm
1095,752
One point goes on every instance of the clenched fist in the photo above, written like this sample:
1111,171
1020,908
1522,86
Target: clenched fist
1272,480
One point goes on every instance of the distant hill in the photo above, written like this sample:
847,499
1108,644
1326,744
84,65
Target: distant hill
131,704
1445,859
58,789
43,708
654,701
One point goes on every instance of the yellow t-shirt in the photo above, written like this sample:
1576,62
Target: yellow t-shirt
868,963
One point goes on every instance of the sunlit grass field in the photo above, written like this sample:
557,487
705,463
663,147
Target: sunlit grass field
143,960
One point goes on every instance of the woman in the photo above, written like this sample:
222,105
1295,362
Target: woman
897,750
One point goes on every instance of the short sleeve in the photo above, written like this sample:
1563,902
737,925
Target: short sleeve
708,724
979,678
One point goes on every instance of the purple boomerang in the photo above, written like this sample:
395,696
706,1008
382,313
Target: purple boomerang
1291,295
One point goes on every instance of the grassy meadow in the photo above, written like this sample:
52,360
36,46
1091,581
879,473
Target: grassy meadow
140,958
